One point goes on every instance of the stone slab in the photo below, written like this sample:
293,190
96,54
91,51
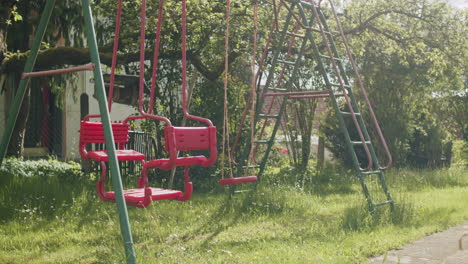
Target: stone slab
438,248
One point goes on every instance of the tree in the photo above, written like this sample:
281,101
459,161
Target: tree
408,52
205,29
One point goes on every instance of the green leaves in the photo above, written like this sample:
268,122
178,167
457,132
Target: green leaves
408,51
15,15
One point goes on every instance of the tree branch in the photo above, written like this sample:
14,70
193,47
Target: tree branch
365,25
58,56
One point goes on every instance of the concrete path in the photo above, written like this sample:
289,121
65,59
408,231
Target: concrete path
438,248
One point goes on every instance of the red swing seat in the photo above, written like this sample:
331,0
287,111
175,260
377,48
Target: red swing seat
182,139
137,195
93,133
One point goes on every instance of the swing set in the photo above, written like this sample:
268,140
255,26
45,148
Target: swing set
176,138
304,26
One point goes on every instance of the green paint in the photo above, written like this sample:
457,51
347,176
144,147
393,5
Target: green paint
110,145
299,7
28,67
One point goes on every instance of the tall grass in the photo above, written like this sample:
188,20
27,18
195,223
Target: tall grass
55,219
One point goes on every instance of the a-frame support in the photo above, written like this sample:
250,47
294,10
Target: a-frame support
304,29
103,108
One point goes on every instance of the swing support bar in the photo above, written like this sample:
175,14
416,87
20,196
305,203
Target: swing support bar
105,117
86,67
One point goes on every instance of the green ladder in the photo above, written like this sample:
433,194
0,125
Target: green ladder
277,90
95,66
305,31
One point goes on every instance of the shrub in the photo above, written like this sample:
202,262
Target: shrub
420,142
40,168
460,153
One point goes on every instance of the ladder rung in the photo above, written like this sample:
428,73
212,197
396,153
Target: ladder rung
328,57
267,116
278,89
295,35
309,96
251,167
370,172
341,94
287,62
383,203
86,67
307,4
319,31
349,113
360,142
262,141
338,85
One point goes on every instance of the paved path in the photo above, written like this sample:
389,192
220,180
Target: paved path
438,248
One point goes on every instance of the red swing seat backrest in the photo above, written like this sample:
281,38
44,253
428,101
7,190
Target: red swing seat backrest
93,133
189,138
192,138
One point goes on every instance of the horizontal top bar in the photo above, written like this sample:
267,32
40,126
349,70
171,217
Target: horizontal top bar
309,96
297,93
86,67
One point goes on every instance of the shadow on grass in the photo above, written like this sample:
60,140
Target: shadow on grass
237,208
330,181
24,196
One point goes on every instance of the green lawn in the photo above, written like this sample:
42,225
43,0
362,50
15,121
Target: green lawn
52,220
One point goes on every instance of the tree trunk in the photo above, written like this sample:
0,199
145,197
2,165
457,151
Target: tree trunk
16,146
5,11
305,153
305,116
320,153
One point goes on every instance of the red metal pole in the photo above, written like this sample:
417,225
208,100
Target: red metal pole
86,67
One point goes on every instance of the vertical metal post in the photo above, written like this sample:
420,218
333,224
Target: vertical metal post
28,67
110,144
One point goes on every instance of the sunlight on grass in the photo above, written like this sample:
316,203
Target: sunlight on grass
49,220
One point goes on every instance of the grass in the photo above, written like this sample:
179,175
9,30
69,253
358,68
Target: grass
52,220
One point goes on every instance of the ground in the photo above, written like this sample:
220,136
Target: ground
443,247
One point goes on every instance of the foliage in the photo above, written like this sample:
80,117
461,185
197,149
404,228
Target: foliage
44,221
406,55
18,167
460,153
409,60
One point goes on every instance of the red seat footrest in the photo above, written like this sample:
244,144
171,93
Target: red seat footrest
239,180
164,194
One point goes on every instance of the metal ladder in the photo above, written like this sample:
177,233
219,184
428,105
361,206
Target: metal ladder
309,33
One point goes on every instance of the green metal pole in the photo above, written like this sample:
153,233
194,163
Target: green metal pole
110,144
28,67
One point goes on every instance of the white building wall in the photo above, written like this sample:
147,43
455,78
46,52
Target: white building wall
71,115
71,120
119,111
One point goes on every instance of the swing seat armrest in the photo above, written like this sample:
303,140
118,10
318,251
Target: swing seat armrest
164,164
213,148
83,151
148,116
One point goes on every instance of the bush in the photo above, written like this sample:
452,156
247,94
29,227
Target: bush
41,168
421,142
460,153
